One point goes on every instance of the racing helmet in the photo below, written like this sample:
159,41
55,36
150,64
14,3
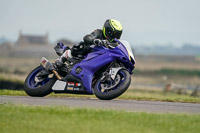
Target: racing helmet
112,29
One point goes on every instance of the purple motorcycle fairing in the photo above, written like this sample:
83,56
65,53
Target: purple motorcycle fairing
96,60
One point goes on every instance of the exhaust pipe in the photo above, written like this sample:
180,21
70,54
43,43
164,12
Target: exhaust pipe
49,67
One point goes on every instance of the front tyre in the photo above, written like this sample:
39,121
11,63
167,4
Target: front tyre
37,88
111,89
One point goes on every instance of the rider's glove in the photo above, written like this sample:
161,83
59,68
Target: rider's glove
98,42
60,48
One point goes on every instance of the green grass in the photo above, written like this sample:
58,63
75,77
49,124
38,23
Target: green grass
179,72
13,93
168,71
12,80
152,95
131,94
32,119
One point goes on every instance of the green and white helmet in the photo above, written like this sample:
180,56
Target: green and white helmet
112,29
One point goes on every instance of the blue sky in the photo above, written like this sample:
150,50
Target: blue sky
145,22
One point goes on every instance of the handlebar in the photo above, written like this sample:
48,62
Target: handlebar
105,43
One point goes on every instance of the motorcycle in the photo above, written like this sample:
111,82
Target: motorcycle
105,71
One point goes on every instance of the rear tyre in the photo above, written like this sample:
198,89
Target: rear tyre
117,90
38,89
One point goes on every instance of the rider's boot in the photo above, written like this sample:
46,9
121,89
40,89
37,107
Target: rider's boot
63,58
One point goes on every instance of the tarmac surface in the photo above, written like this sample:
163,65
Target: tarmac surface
126,105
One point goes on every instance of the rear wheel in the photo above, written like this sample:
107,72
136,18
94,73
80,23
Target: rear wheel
38,87
110,89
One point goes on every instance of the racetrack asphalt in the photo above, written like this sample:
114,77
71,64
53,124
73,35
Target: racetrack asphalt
127,105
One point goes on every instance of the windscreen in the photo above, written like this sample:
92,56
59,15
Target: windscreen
128,47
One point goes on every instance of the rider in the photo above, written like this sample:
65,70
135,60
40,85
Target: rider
111,29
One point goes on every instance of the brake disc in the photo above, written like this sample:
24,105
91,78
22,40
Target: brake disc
115,82
38,78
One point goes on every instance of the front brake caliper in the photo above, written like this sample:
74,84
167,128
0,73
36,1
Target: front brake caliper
113,72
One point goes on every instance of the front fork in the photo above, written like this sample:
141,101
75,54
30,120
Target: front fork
57,74
111,71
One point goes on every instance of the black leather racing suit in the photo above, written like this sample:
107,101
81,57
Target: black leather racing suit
82,48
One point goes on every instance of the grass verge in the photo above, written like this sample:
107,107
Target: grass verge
168,72
152,95
13,92
132,94
23,119
9,79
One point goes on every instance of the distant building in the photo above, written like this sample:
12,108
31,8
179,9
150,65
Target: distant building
6,48
27,40
32,46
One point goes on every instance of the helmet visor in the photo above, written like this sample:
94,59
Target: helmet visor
109,32
116,34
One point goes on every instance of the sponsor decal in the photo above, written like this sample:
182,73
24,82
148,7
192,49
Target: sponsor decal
70,83
44,61
78,84
73,86
76,89
69,88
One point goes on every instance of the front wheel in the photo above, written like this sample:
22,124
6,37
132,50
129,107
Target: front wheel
41,87
107,90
